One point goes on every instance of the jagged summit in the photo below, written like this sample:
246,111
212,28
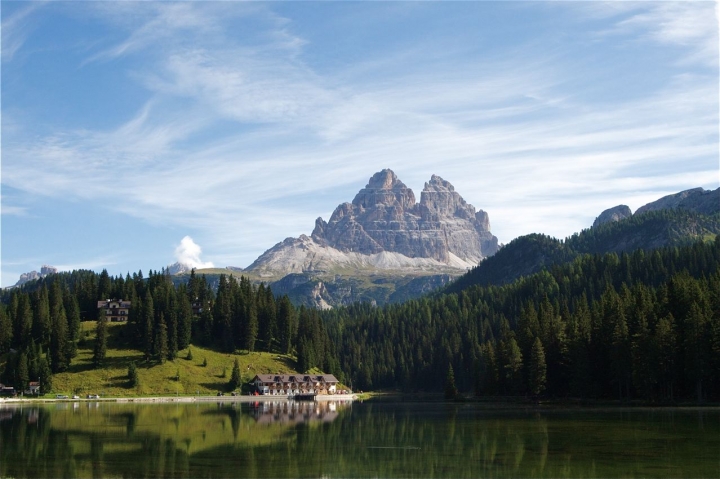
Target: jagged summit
384,218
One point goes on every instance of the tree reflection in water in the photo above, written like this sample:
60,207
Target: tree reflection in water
286,439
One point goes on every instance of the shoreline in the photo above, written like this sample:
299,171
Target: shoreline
175,399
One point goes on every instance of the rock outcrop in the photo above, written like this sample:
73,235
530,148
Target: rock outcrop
697,200
611,215
384,217
32,275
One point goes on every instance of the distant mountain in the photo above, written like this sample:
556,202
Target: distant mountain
382,247
178,268
672,220
44,271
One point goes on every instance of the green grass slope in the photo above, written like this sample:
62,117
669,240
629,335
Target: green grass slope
178,377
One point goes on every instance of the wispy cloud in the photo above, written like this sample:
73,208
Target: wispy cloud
270,128
15,30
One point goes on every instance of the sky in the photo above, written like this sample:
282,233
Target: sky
136,134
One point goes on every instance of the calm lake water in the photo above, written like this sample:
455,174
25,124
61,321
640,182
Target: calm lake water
371,439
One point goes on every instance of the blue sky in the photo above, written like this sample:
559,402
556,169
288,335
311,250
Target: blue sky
129,126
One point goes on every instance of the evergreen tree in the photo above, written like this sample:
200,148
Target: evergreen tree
60,345
45,376
23,321
72,313
537,368
285,321
100,349
512,364
235,378
184,322
22,372
133,378
41,325
451,391
148,325
161,341
6,333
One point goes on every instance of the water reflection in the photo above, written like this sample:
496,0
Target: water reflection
335,439
296,412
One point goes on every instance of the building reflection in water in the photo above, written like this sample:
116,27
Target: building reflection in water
296,412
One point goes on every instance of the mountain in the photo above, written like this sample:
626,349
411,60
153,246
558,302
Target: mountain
670,221
44,271
381,247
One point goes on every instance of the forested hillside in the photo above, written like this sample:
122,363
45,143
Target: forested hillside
531,253
40,322
638,325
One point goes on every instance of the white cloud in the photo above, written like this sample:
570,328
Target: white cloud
505,131
188,253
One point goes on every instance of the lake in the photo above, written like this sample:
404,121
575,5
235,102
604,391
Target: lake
370,439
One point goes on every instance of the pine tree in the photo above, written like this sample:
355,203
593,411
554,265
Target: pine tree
23,321
22,373
184,322
148,325
100,349
235,378
60,348
537,369
161,341
6,333
45,376
133,374
72,313
285,320
41,325
451,391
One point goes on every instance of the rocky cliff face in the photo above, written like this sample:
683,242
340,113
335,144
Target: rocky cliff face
44,271
381,247
384,217
697,200
611,215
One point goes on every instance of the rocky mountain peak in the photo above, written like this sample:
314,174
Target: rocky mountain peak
385,189
613,214
44,271
384,217
439,200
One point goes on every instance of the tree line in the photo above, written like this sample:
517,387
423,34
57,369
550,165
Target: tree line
631,325
40,322
640,325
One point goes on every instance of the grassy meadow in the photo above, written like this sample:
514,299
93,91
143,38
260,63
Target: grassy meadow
179,377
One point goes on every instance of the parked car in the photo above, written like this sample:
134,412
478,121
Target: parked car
75,396
93,396
60,396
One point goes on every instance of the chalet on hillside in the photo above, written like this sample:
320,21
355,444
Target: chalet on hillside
284,384
115,309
